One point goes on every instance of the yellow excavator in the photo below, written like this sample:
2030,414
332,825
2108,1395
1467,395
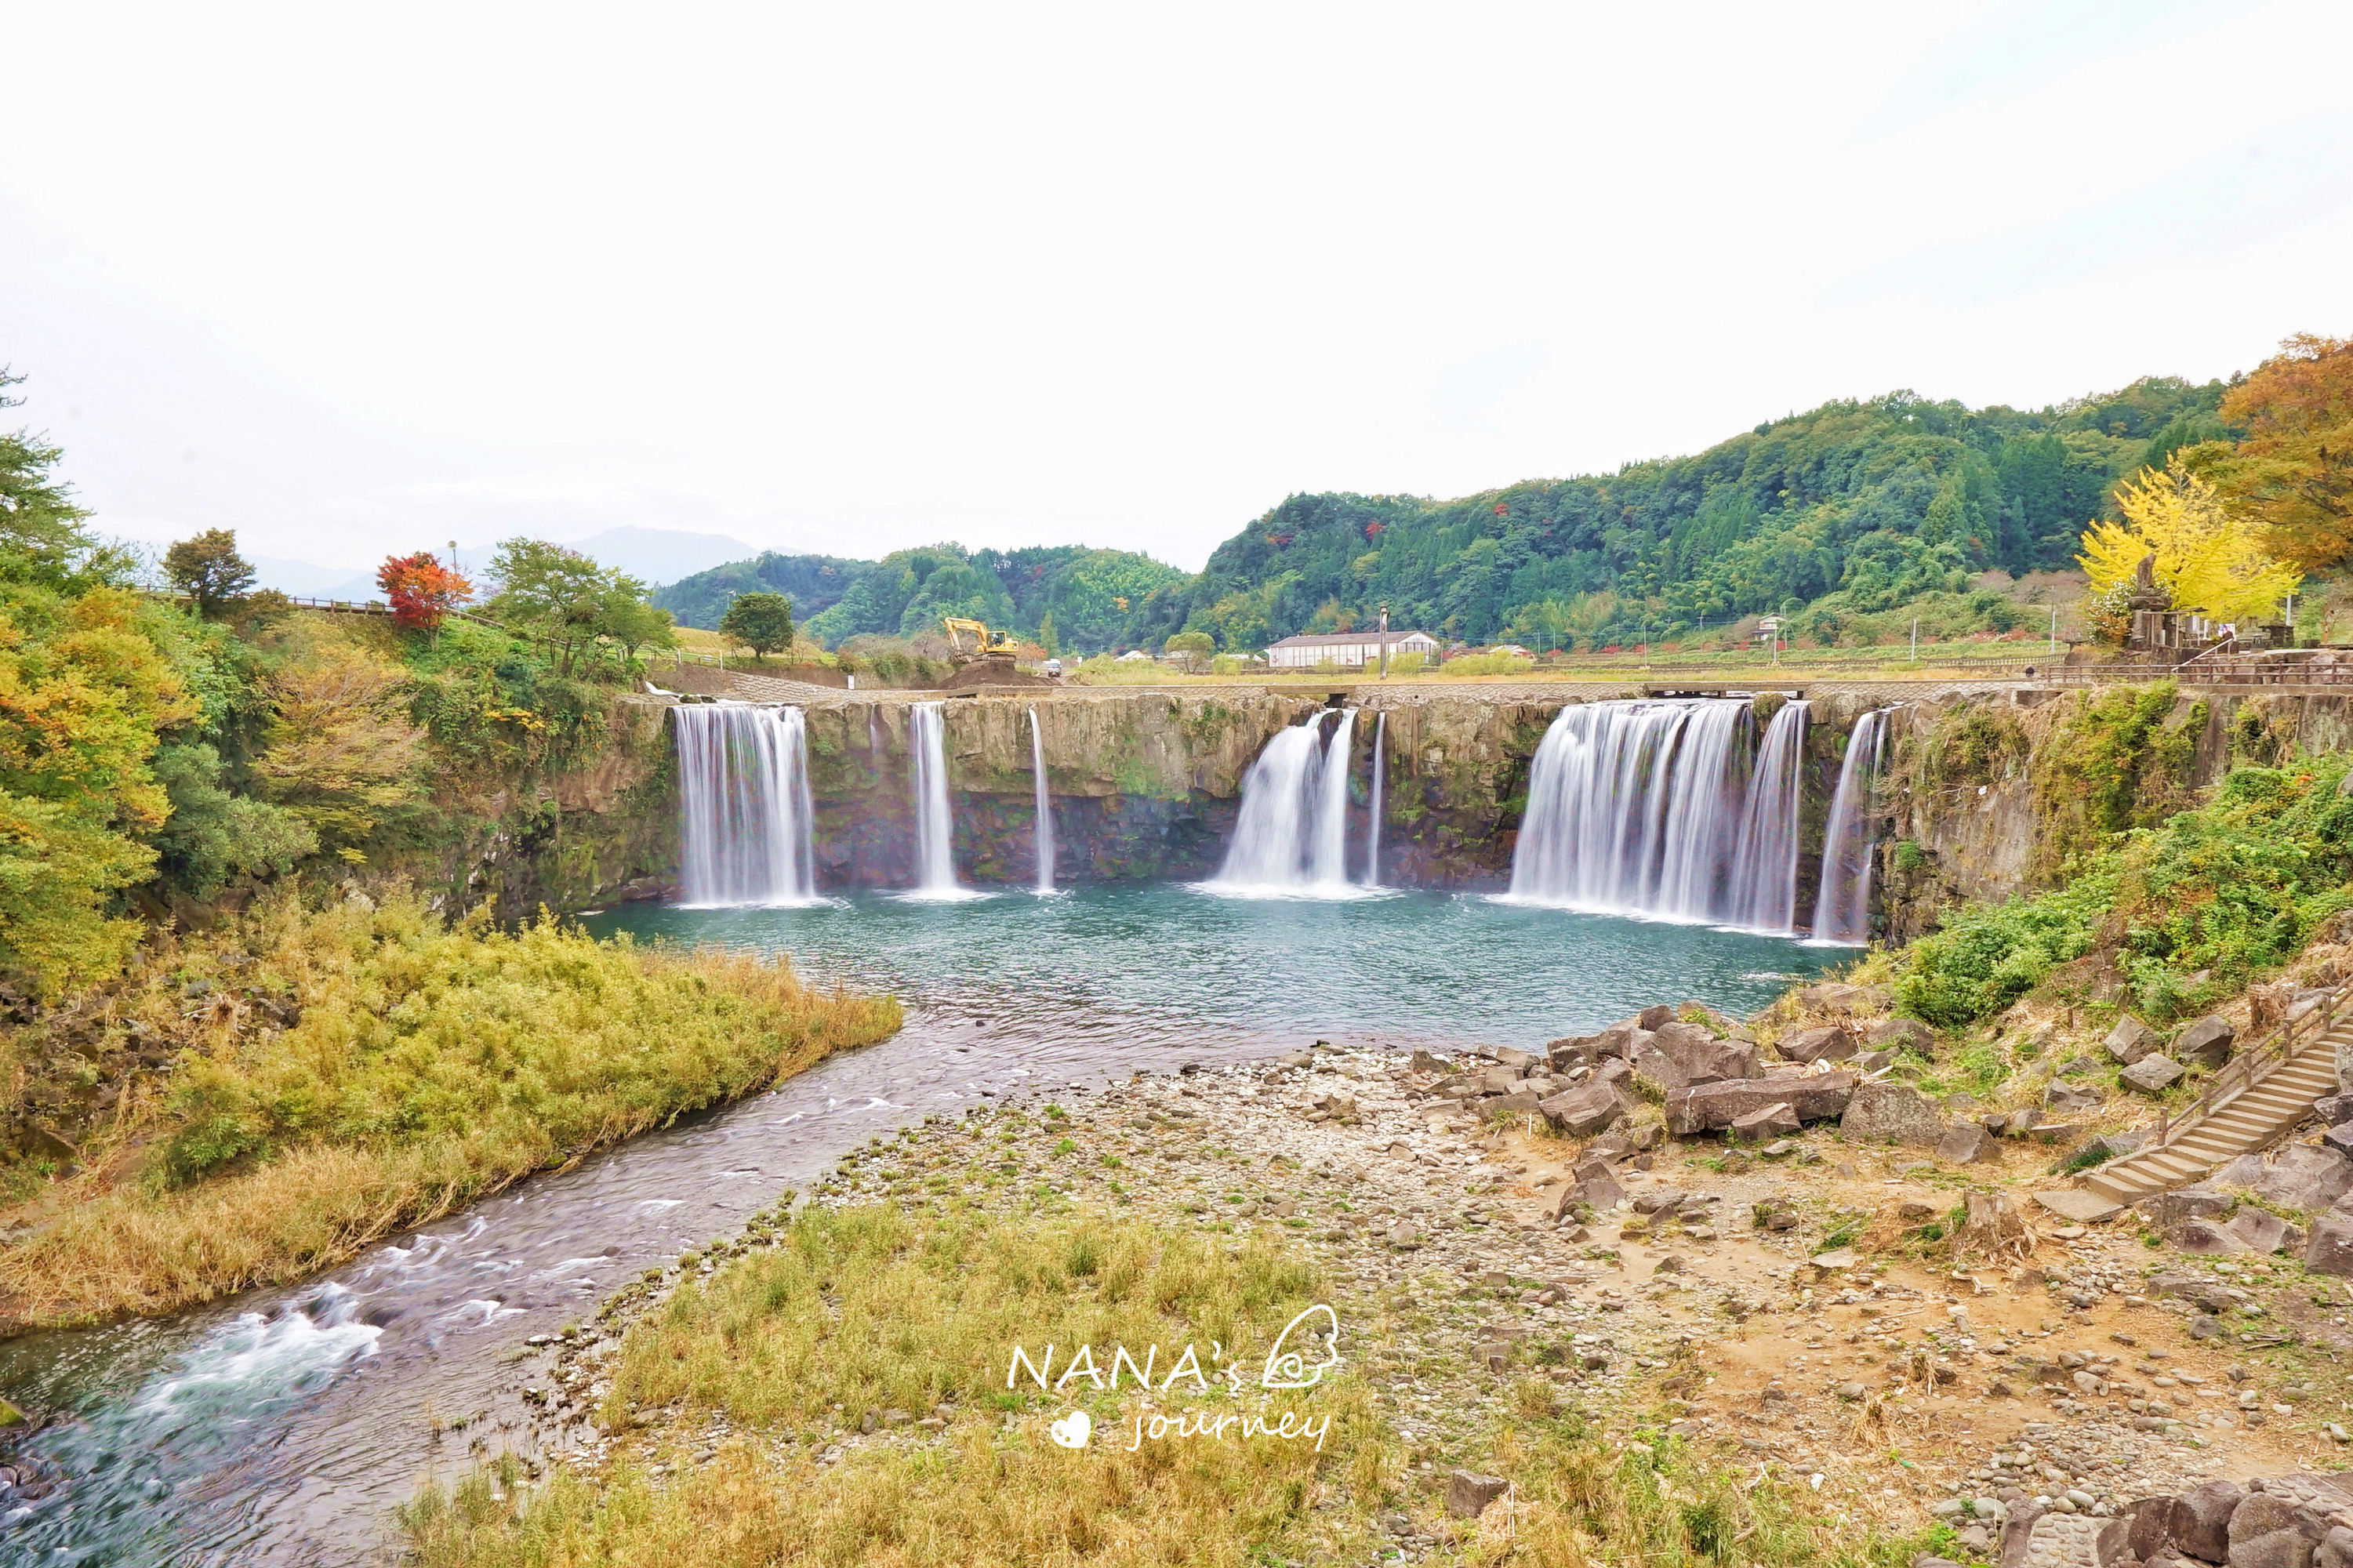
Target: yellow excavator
985,643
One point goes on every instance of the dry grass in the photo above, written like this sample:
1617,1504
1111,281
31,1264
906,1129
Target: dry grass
875,1305
352,1071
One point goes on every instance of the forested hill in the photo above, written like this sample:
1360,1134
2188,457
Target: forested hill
1851,509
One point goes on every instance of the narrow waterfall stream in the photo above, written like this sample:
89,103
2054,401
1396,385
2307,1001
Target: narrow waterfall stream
1292,837
744,810
1843,907
927,769
1380,776
1045,806
1763,892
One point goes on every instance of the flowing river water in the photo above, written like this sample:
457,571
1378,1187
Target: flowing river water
286,1426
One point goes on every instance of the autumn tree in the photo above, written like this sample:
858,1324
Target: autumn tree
760,622
342,754
2294,471
420,590
208,570
2209,558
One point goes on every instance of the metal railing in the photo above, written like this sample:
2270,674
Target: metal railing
2243,1071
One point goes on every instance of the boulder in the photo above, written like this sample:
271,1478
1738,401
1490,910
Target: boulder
2206,1238
2339,1138
1568,1051
1468,1494
2151,1075
2331,1109
2112,1145
1901,1035
2067,1097
1966,1145
2131,1039
1702,1057
2202,1519
1894,1112
2267,1531
2151,1528
1824,1043
1584,1110
2329,1250
1706,1107
1763,1124
1656,1071
1500,1081
2305,1176
2203,1294
1599,1191
1523,1103
2165,1210
2264,1231
1619,1040
1653,1016
1520,1061
2204,1042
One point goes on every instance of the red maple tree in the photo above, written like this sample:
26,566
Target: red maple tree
420,590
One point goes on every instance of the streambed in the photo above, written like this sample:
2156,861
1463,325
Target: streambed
284,1426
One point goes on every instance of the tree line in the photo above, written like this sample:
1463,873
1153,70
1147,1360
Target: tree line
1856,509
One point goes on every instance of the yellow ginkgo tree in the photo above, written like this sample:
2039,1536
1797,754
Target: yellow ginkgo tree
2211,561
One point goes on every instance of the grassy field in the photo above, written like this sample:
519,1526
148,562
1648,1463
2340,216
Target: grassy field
915,1310
322,1078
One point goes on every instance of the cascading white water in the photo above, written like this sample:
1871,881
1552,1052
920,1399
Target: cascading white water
1764,888
1842,907
935,828
1290,839
1631,809
1380,777
1329,860
745,811
1044,829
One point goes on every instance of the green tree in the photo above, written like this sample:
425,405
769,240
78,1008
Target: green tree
760,622
569,600
1050,638
41,534
1198,645
208,570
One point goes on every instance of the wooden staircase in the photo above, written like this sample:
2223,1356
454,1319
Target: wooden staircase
2257,1096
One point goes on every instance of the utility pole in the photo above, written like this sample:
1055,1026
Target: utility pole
1384,642
1916,639
2054,629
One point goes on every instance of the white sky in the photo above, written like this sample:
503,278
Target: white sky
849,278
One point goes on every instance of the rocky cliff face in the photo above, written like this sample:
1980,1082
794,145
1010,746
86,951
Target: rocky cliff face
569,840
1148,784
1987,798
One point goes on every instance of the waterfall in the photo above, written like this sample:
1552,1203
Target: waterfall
1630,809
1380,776
1292,837
1764,891
744,810
1639,807
935,828
1044,829
1843,907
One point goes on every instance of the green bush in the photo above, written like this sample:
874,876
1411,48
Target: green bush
2194,907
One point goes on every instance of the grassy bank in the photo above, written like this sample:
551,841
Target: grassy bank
296,1084
913,1310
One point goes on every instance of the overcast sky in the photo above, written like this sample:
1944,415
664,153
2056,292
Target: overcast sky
849,277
